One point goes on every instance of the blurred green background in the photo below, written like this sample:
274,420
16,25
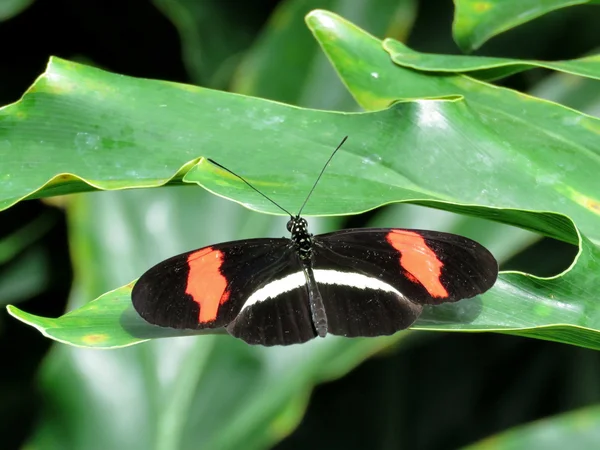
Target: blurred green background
415,390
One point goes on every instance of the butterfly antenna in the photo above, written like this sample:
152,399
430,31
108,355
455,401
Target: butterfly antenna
252,187
320,175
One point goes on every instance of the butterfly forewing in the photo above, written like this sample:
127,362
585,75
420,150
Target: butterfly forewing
207,288
374,281
426,267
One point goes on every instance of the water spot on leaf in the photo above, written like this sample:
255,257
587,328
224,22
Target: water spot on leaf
372,159
86,142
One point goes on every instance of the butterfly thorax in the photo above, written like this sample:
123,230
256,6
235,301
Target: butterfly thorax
301,238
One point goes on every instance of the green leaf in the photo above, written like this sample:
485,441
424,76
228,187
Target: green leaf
535,136
386,148
477,21
108,322
108,160
483,67
578,429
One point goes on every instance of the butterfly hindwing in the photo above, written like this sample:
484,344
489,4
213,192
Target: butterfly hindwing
278,313
358,304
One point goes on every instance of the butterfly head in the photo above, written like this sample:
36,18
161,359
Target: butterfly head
297,225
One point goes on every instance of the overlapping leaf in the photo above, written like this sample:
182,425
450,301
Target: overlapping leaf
543,145
475,21
483,67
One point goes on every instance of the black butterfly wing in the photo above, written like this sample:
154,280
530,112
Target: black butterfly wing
384,276
277,314
210,288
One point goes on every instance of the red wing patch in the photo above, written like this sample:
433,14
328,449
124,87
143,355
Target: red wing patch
419,261
205,283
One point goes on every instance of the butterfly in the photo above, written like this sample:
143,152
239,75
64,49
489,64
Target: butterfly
283,291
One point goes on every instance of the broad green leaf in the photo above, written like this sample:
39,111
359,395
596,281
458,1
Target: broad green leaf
578,429
286,65
476,21
108,322
483,67
541,142
203,392
382,162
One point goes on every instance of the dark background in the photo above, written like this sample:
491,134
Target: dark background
460,387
